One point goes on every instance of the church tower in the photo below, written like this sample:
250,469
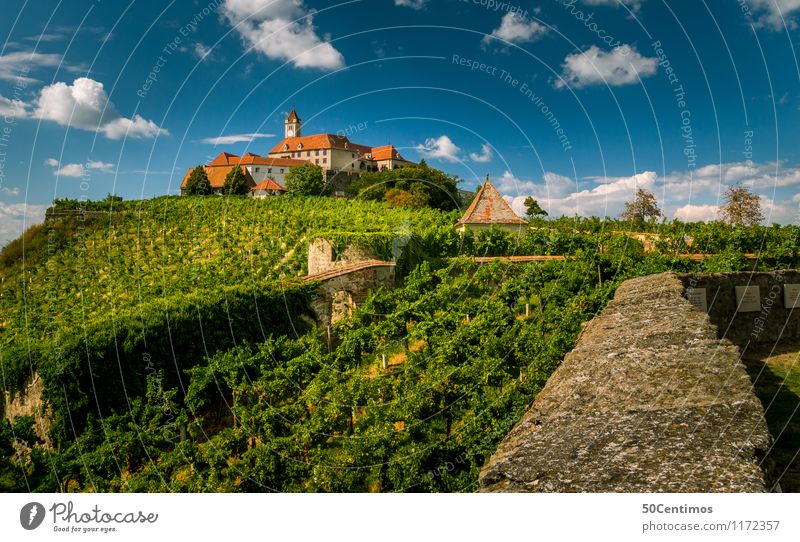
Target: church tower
292,125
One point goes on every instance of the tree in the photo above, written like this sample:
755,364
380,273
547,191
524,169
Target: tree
397,197
643,207
236,183
198,184
307,180
741,207
533,209
435,187
423,163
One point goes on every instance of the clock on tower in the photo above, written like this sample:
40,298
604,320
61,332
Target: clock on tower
292,125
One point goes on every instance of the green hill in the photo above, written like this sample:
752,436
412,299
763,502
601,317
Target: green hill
167,344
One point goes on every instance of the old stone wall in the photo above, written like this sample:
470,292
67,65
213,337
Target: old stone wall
770,321
338,296
650,400
321,257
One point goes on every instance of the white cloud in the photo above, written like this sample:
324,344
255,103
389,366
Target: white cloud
696,213
687,195
79,170
14,218
85,105
201,51
484,156
514,28
10,191
13,108
234,138
18,65
282,30
775,14
622,65
413,4
606,198
634,5
103,167
441,148
70,170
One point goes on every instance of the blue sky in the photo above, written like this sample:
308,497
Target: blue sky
575,102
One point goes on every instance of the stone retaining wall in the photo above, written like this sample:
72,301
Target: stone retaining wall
650,400
772,322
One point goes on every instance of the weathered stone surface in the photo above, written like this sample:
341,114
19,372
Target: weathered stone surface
650,400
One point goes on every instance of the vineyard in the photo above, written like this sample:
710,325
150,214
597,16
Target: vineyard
176,352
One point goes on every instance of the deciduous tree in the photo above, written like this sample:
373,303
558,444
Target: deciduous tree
307,180
644,207
741,207
533,209
236,183
198,184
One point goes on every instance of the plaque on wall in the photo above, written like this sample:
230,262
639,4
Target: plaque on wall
791,296
697,297
748,299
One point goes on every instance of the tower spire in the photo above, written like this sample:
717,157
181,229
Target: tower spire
293,124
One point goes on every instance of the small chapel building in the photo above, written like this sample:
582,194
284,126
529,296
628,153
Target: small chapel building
489,210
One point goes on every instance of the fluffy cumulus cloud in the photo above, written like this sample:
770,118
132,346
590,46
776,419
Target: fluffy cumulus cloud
775,13
14,218
686,195
514,28
282,30
484,156
696,213
85,105
234,138
622,65
440,148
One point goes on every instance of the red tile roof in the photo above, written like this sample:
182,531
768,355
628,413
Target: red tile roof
249,159
386,152
318,141
293,116
489,207
269,184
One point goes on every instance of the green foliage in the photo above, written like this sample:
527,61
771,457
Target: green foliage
533,209
408,186
198,183
236,183
307,180
174,355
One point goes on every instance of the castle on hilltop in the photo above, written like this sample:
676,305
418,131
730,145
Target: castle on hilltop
340,159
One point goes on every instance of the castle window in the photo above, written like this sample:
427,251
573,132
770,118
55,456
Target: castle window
308,153
257,170
281,170
324,152
324,160
269,170
316,153
316,161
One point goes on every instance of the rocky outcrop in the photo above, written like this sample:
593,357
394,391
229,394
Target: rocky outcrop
650,400
29,402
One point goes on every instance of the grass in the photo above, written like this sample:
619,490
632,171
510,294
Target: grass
775,371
